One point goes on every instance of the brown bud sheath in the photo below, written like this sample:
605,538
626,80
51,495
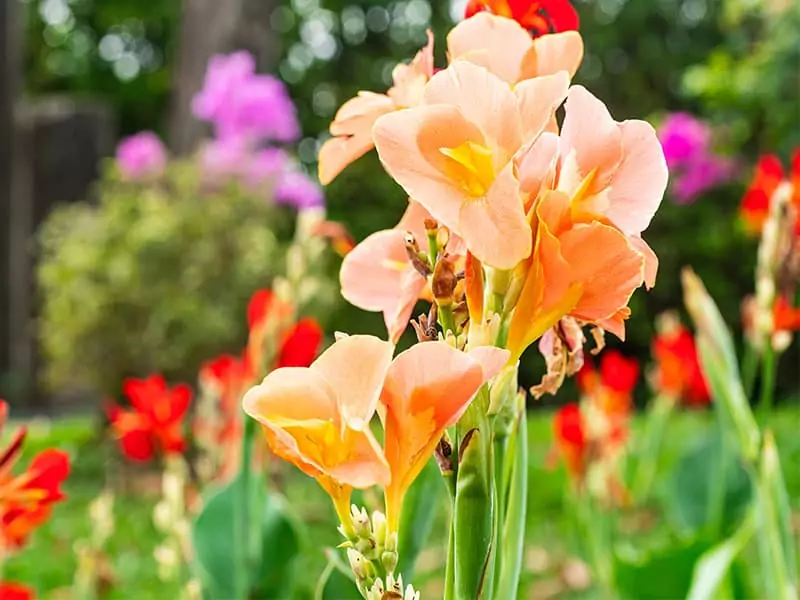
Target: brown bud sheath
412,250
444,282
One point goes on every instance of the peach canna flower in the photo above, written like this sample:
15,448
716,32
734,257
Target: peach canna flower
352,126
453,154
318,417
378,275
506,49
427,389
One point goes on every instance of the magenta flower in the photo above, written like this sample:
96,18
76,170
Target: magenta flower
683,138
141,156
224,158
702,174
265,166
244,105
297,189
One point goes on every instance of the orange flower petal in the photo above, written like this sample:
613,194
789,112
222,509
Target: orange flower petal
355,368
558,52
352,133
495,228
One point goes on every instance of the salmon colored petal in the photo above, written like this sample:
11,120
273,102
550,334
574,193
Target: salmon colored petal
536,166
607,265
538,100
492,42
616,323
352,133
397,316
484,99
413,221
427,389
409,143
650,260
590,141
491,359
291,394
410,79
494,227
366,465
640,180
355,368
558,52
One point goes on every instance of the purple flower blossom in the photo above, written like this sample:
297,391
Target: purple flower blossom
141,156
266,165
244,105
297,189
221,159
702,174
683,138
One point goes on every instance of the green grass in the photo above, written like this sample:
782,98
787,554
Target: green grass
48,562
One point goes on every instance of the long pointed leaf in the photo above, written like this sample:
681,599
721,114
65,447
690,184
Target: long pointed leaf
416,520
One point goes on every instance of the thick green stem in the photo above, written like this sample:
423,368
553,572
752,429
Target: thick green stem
749,369
446,318
718,482
769,367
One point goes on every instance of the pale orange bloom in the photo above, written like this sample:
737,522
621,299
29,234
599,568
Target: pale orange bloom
352,126
377,275
454,154
427,389
506,49
318,417
587,269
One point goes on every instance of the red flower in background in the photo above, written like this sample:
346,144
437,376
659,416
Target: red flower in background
611,387
571,440
678,373
26,499
785,316
15,591
537,16
155,425
767,177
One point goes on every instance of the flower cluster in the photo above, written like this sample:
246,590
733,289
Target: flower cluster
771,208
154,425
677,373
591,436
687,143
26,499
249,113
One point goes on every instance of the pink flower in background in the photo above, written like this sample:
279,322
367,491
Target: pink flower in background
266,165
141,156
683,138
221,159
297,189
244,105
694,166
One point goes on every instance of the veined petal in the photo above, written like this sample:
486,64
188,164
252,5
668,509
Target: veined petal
557,52
494,227
485,101
409,144
608,267
496,43
538,99
536,166
355,368
640,180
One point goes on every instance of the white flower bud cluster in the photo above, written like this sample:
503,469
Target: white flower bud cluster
392,590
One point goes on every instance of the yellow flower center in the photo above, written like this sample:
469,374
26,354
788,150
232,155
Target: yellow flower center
471,167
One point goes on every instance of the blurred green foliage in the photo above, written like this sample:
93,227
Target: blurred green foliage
732,62
156,277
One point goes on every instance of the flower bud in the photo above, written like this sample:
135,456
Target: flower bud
444,282
389,561
379,528
362,568
361,522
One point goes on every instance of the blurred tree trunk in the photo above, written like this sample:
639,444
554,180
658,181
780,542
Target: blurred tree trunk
9,38
210,27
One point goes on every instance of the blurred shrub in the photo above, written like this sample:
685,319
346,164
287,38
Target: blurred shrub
156,277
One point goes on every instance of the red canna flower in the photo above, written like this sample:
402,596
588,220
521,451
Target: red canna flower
570,437
611,387
15,591
769,174
301,344
537,16
785,316
26,499
678,373
155,425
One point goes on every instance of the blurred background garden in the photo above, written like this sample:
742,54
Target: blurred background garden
121,260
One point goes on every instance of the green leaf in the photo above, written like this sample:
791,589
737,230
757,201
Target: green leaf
473,513
216,544
775,540
281,544
663,572
416,519
337,581
694,490
512,545
714,566
718,359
